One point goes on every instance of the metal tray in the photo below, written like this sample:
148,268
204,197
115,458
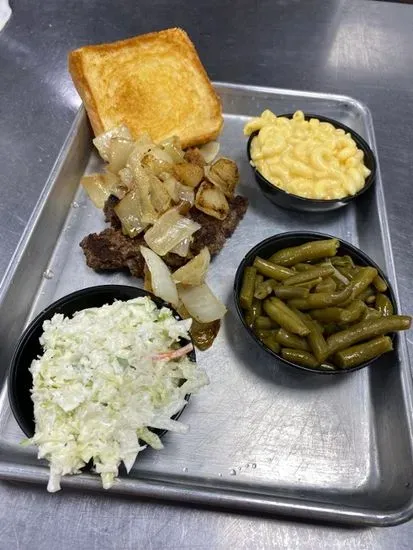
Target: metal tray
263,438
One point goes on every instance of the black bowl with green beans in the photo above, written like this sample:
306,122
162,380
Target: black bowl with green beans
317,303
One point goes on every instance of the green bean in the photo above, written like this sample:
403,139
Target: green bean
379,284
315,337
319,325
264,289
270,269
301,357
258,280
326,285
366,330
284,316
263,333
354,311
384,305
298,303
364,277
263,322
313,250
290,340
356,355
339,283
331,328
367,294
309,284
317,342
253,312
321,299
343,261
371,313
247,289
302,267
309,275
303,316
249,319
330,315
347,272
271,342
287,293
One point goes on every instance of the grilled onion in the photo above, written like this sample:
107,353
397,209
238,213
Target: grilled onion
129,212
142,184
212,201
173,147
100,186
209,151
156,165
161,280
171,185
103,141
160,198
202,334
126,177
194,272
142,146
182,248
201,303
189,174
169,230
185,193
224,175
119,152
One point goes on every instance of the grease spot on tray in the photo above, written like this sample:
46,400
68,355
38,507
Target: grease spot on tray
48,274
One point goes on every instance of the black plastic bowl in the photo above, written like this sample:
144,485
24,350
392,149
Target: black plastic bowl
295,202
267,248
28,347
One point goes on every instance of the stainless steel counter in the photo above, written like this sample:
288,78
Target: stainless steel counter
363,49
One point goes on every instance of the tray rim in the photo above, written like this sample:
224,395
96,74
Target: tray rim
236,500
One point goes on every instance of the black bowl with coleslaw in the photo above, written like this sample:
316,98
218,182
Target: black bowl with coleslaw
28,346
294,202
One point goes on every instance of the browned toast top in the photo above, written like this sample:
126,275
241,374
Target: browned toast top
151,83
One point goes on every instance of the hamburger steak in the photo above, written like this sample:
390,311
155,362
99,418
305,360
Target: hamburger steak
112,250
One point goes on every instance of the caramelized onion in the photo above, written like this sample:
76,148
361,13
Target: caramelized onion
161,280
168,231
100,186
119,152
129,212
103,141
201,303
194,272
212,201
209,151
182,248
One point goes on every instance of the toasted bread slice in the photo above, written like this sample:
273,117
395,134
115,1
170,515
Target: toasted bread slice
152,83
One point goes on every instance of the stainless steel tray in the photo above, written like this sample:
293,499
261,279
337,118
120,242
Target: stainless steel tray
263,438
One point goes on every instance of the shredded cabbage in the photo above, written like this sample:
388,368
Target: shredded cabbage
103,379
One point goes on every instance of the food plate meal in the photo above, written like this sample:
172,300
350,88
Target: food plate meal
173,182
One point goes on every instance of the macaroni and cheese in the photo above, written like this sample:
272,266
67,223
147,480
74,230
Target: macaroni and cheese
309,158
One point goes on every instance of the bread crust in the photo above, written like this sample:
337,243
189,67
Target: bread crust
192,109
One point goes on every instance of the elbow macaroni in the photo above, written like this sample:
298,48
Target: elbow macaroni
312,159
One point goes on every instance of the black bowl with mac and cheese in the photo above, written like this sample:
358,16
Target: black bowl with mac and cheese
294,164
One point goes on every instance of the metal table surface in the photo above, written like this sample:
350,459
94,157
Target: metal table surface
363,49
